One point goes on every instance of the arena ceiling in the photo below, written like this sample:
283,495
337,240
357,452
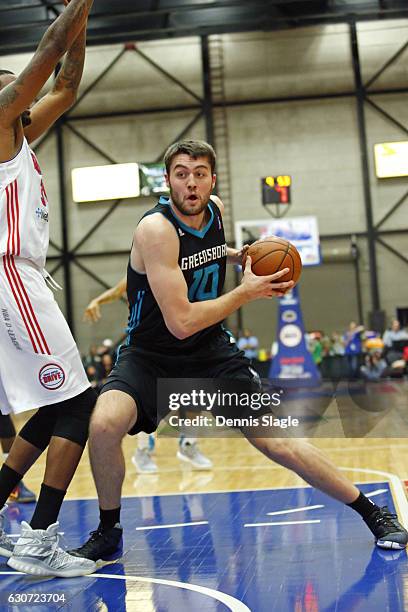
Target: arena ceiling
22,22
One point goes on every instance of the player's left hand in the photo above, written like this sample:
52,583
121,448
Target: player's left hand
237,257
241,254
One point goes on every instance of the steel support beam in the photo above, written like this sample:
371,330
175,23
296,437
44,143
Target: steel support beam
365,169
391,211
387,64
91,144
392,250
208,100
180,136
168,76
234,103
384,113
97,80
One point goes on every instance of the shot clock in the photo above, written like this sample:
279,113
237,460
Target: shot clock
276,189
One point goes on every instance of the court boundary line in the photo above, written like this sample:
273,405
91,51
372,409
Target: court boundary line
252,490
235,605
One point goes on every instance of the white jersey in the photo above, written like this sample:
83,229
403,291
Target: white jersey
23,208
39,361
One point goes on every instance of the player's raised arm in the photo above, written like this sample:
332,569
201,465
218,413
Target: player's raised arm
63,93
158,245
19,94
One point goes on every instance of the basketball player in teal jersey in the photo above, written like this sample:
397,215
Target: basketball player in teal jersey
174,284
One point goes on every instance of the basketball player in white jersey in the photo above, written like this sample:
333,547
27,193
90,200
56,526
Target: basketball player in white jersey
40,367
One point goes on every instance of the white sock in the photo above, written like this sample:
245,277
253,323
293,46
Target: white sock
5,455
142,441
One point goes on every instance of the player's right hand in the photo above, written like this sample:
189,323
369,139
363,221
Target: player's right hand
269,286
92,312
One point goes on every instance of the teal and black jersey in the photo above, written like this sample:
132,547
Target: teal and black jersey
202,260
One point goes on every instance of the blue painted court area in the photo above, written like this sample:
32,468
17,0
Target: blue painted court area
214,554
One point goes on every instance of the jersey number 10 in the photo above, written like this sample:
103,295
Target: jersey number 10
206,277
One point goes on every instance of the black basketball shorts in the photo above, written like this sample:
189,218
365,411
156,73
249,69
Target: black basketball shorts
136,373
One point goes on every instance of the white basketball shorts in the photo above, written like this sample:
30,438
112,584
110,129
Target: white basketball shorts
39,361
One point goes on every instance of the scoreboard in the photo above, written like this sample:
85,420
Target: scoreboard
276,189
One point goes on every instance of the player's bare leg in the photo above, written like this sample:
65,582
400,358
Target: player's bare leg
114,415
62,460
21,493
63,457
316,469
309,463
22,455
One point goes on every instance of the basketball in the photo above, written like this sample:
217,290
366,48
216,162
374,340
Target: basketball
271,254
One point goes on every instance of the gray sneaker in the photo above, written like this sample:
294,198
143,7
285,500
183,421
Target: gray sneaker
6,544
143,462
190,453
37,552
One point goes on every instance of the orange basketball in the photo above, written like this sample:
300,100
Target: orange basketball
271,254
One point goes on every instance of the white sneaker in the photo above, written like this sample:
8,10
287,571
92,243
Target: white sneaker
6,544
190,453
143,463
37,552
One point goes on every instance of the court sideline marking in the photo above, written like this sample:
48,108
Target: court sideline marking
173,525
230,602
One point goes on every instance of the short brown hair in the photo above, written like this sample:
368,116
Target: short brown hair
192,148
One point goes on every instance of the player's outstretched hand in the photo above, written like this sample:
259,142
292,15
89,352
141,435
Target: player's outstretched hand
241,253
92,312
269,286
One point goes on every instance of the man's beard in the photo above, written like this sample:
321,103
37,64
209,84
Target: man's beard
182,207
26,118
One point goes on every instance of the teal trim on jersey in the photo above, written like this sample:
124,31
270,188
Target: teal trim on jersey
134,320
227,331
190,230
117,353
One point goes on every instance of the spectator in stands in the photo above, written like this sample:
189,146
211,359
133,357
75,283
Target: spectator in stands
249,344
92,358
394,333
92,374
106,365
374,367
391,335
316,348
326,345
337,344
353,339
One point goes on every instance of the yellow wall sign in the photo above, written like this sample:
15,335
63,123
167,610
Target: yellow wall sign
391,159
